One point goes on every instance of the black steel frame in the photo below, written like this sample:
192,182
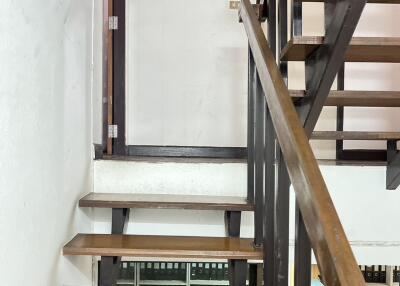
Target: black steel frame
237,268
302,252
109,265
393,167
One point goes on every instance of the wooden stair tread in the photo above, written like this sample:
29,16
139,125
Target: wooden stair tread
355,135
194,202
368,1
162,246
361,49
356,98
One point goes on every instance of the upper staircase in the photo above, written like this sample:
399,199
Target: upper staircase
280,124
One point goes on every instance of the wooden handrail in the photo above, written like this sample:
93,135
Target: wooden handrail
335,258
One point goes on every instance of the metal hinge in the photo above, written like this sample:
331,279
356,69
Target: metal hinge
112,131
113,23
234,5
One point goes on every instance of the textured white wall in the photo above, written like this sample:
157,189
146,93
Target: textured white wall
97,71
187,74
367,211
45,122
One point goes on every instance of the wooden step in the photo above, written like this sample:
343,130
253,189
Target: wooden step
355,135
193,202
373,49
368,1
356,98
162,246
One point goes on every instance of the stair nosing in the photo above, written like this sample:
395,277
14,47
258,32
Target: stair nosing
148,201
159,246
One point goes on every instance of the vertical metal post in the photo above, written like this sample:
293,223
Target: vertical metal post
270,265
253,274
393,165
340,113
119,218
302,253
107,93
236,268
281,253
297,18
232,223
259,161
109,270
329,9
250,130
282,36
109,265
269,203
119,77
281,196
240,273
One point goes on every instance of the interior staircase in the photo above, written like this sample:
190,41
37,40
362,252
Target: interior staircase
280,124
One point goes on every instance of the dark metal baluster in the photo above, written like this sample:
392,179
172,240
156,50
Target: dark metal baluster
237,268
269,212
109,265
281,252
119,77
250,130
276,240
269,198
393,167
302,252
253,269
340,113
259,162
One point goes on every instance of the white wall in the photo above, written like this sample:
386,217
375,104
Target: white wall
367,210
187,74
97,72
45,123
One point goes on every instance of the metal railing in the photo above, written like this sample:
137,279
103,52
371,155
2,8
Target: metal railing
332,250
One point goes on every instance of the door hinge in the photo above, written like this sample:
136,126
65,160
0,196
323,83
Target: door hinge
113,23
112,131
234,5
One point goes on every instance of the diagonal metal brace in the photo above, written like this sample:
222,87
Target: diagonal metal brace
393,165
323,65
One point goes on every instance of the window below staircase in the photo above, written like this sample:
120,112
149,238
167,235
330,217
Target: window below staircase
163,273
